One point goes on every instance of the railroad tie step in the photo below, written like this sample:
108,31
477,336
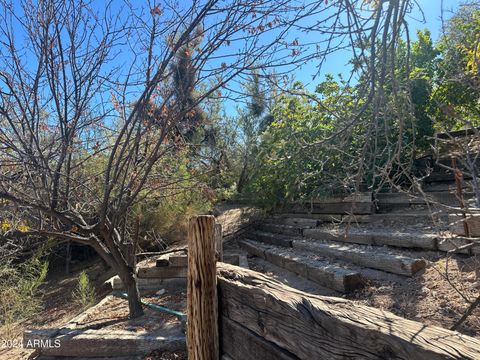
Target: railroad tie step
271,238
299,222
367,256
280,229
324,273
375,237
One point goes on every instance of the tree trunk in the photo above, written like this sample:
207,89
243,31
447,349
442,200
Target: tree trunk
68,257
134,305
242,179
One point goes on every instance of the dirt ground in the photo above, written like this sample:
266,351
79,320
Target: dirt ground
58,310
438,296
58,307
113,314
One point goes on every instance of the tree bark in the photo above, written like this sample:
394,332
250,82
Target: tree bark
134,304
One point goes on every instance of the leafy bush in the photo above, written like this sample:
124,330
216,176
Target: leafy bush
84,294
297,157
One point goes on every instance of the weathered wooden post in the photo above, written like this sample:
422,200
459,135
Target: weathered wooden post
219,241
202,303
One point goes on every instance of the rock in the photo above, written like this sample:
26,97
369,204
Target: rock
424,291
160,292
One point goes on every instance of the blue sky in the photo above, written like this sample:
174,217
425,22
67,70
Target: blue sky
429,17
338,62
428,14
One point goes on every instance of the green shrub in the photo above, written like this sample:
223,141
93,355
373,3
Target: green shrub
19,289
84,294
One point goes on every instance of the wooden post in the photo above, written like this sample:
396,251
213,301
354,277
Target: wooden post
202,302
219,242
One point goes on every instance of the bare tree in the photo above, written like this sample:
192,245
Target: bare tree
88,105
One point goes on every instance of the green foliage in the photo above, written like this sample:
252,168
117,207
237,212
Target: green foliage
424,60
297,159
84,294
19,288
252,124
458,91
304,152
184,192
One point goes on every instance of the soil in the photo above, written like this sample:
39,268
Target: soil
113,314
158,355
58,307
58,310
438,296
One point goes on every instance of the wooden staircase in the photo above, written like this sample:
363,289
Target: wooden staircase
343,243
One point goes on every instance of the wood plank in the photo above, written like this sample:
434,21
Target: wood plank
98,343
320,327
202,305
457,244
295,221
358,197
405,240
361,255
321,272
272,239
162,272
350,236
218,235
317,217
279,229
242,344
162,263
334,208
178,260
456,222
252,248
182,260
148,284
313,220
399,198
375,237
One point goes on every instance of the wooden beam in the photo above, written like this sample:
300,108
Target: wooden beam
240,343
178,260
219,241
375,237
202,305
272,239
98,343
280,229
344,208
364,256
320,327
323,273
162,272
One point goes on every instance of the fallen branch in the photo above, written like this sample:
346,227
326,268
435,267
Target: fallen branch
184,249
467,313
